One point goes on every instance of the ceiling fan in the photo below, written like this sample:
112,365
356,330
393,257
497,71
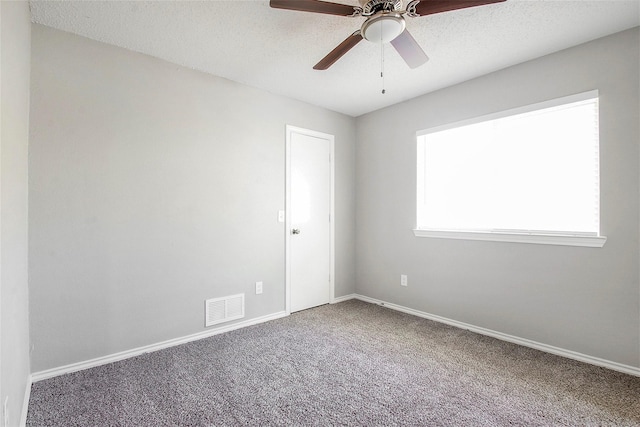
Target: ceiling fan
385,23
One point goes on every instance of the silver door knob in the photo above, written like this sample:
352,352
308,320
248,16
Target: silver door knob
295,231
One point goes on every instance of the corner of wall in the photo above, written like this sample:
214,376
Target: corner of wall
15,65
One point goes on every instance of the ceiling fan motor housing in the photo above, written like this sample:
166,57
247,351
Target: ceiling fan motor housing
371,7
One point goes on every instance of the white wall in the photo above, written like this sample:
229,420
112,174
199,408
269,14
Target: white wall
580,299
154,187
15,24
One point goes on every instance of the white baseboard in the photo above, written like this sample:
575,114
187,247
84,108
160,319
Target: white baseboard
50,373
25,402
631,370
343,298
54,372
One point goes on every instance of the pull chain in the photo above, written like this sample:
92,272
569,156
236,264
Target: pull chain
382,63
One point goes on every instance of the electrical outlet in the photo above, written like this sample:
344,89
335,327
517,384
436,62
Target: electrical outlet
280,216
258,288
403,280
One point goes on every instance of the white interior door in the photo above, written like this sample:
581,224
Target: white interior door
309,218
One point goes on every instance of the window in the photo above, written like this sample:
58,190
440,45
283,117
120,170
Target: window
526,175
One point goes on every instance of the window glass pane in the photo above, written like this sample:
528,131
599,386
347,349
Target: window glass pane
535,171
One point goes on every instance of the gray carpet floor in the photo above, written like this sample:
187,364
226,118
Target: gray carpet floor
351,364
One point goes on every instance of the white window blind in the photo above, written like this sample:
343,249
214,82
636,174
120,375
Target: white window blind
532,170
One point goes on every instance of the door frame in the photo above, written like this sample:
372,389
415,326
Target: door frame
331,140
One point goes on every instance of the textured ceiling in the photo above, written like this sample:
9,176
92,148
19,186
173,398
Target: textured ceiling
275,50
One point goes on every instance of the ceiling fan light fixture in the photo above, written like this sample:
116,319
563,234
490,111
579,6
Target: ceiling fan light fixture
383,28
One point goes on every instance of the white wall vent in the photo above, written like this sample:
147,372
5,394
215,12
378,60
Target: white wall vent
219,310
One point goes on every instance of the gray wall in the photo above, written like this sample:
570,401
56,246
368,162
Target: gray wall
154,187
580,299
15,21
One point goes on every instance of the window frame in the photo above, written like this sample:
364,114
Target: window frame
515,236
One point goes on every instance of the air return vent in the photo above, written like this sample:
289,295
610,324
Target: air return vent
220,310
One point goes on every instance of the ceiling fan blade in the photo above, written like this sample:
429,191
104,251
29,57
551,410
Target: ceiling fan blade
409,50
314,6
429,7
339,51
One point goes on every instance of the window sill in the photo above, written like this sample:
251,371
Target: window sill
539,239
